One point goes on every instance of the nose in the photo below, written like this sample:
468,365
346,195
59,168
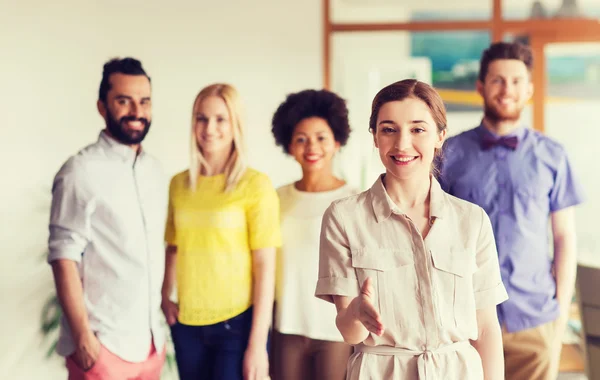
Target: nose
135,110
403,140
211,127
506,88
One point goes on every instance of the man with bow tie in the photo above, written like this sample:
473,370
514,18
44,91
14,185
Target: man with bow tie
523,180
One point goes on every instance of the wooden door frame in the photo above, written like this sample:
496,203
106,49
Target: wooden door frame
540,32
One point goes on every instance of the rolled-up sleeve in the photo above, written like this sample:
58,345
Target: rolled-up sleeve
70,215
487,282
336,274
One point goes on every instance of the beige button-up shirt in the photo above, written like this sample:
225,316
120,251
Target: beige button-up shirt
427,290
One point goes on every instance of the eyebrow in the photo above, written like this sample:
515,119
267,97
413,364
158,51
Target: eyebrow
306,134
204,115
120,96
500,76
411,122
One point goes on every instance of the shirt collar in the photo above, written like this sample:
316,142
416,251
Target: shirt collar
384,207
519,132
123,151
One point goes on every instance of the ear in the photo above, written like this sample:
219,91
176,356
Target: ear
479,87
337,146
101,108
441,139
529,92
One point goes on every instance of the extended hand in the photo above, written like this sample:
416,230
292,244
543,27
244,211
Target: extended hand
365,311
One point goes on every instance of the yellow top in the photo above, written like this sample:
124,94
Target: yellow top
215,233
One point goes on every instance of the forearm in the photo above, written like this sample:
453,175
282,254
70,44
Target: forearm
489,347
565,263
170,271
352,330
263,267
70,294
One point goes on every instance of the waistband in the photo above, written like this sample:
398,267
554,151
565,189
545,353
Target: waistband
424,361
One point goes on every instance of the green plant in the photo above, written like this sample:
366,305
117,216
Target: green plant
51,315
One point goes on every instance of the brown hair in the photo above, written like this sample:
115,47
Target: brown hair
504,50
412,88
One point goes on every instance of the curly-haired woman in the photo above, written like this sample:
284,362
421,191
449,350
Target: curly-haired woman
310,126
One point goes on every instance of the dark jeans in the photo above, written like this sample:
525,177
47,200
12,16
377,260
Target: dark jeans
213,352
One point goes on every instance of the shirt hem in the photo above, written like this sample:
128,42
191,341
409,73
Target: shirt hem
529,323
312,336
207,322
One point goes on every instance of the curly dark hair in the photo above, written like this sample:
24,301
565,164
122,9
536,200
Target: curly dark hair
310,103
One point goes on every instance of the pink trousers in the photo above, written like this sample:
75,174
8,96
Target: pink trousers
109,366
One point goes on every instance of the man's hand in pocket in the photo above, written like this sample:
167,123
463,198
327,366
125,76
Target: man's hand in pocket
87,351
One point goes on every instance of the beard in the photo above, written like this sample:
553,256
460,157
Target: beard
495,115
119,131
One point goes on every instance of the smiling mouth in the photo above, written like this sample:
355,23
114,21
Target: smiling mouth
506,101
404,159
312,158
135,125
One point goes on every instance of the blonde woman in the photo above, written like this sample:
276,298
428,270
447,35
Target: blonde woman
222,232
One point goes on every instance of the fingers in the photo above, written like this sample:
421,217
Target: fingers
368,314
250,374
375,328
171,320
84,361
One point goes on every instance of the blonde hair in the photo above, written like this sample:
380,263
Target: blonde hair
236,164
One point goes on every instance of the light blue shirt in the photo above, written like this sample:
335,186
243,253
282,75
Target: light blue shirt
518,189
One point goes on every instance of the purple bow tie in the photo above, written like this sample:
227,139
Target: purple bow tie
510,142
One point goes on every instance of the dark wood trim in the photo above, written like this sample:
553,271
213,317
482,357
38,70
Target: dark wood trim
327,35
497,34
539,78
541,32
413,26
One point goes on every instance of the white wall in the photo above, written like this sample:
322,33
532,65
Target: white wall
51,56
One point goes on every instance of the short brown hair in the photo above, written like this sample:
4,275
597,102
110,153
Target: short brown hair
412,88
505,50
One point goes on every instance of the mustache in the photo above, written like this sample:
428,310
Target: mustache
127,119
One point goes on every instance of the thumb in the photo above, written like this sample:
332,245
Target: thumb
367,287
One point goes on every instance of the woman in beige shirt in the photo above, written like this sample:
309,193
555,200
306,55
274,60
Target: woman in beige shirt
413,271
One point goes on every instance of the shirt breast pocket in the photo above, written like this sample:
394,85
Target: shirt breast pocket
534,197
453,288
394,282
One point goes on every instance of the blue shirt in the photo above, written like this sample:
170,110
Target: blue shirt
518,189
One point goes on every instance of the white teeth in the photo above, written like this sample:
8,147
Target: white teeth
403,159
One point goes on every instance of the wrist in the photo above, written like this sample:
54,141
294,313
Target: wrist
257,342
82,338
